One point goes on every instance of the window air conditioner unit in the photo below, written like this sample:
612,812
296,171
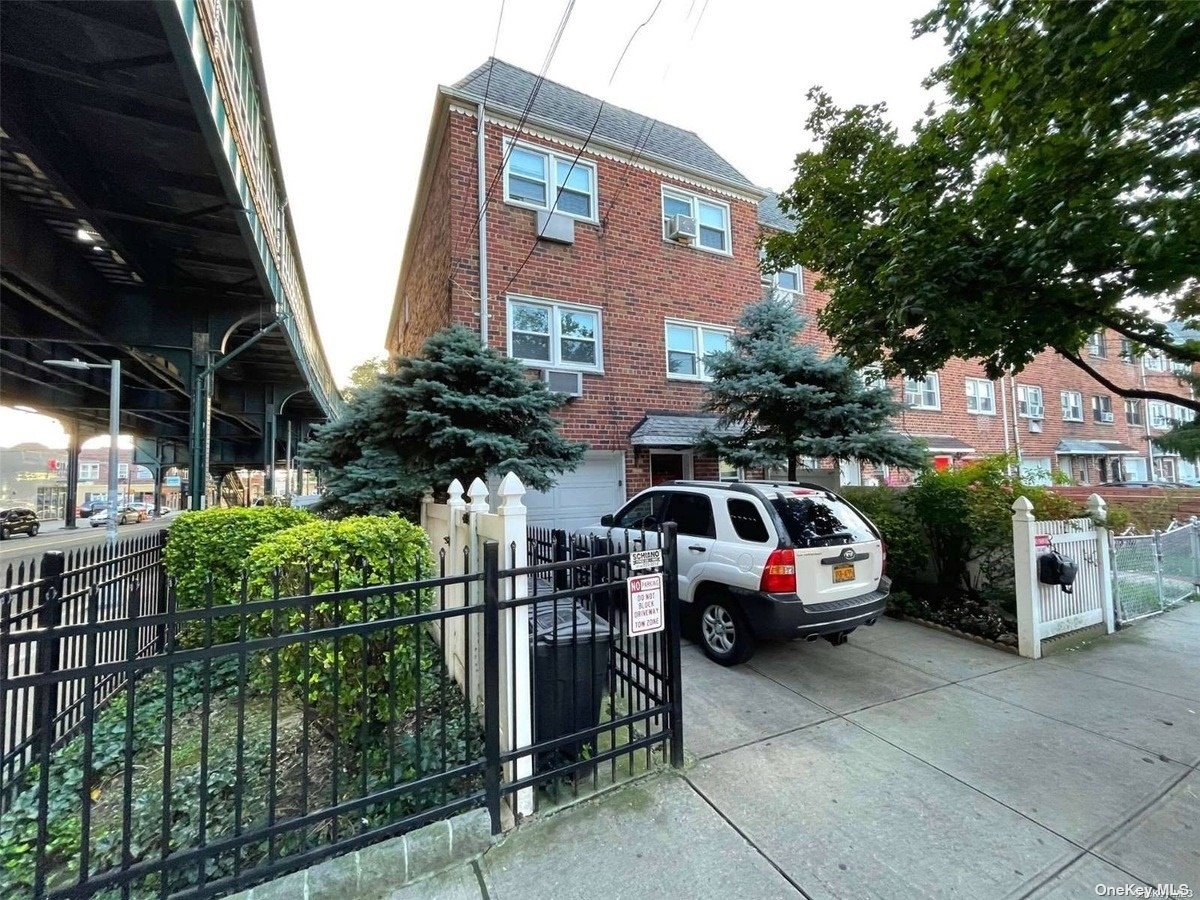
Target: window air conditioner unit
560,382
681,228
1035,426
1106,417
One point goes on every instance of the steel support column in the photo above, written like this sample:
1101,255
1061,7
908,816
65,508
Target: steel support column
72,474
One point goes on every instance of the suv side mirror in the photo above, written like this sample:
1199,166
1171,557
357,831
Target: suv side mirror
607,520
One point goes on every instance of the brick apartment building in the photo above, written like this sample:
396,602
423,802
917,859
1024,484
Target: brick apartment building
644,266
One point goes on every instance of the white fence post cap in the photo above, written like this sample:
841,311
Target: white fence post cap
511,491
478,492
455,490
1023,508
1097,508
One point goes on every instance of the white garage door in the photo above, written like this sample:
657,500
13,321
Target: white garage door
583,496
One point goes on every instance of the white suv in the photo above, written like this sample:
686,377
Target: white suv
762,560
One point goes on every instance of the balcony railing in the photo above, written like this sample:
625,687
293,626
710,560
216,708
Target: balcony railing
218,39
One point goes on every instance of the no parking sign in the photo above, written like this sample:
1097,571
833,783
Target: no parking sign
645,604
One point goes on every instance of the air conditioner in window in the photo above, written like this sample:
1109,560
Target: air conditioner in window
681,228
1035,426
1106,417
561,382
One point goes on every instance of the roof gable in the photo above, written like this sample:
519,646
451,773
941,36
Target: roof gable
511,86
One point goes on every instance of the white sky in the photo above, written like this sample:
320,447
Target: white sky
352,87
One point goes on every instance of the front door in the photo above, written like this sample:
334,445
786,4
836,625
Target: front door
669,465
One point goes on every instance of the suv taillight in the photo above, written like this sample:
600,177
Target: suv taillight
883,545
779,574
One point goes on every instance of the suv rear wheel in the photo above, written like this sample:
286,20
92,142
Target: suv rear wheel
725,634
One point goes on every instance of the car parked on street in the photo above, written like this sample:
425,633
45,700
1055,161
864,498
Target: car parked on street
126,513
90,507
761,560
18,520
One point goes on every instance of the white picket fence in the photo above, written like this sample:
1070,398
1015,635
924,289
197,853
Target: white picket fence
458,529
1046,610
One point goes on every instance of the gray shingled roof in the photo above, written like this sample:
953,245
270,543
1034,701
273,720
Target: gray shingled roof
665,430
770,215
511,86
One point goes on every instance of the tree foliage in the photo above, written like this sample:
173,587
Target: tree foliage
779,399
1051,195
365,375
457,410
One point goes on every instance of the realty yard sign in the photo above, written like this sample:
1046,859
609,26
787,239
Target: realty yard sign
645,604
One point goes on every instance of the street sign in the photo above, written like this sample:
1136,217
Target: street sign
645,604
171,481
645,559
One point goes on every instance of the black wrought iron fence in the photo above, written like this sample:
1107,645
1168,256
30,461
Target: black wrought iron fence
193,752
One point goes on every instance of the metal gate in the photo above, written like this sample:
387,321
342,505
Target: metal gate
1154,572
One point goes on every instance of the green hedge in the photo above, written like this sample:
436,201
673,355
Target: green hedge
365,682
212,546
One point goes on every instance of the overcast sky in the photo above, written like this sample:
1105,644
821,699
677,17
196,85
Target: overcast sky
352,86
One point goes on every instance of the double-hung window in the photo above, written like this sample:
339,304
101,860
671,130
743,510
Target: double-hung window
688,345
1154,361
712,218
541,179
1127,350
1072,406
1160,414
1029,402
89,471
554,335
922,393
786,285
981,397
1096,346
1102,408
1133,412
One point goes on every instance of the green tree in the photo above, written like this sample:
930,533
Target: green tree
1051,195
778,399
457,410
365,375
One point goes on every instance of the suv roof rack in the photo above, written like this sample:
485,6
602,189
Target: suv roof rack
755,486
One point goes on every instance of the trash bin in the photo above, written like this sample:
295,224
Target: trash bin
570,672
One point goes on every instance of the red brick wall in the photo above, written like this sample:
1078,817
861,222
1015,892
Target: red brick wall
625,268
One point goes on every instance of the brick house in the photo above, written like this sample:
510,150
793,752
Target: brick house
616,293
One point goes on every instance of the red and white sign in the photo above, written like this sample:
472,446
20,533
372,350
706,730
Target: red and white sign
1041,540
645,604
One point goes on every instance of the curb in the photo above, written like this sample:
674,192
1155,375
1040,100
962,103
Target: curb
937,626
378,870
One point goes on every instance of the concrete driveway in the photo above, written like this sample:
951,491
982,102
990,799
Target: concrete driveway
907,763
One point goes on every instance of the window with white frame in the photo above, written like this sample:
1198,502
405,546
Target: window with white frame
1029,402
872,377
1184,414
542,179
1160,414
1096,346
786,285
555,335
712,218
89,471
981,396
1072,406
1127,350
1179,367
689,344
922,393
1102,409
1154,362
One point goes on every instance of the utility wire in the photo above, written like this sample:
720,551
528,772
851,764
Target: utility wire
586,141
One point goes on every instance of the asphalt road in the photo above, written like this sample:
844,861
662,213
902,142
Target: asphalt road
20,548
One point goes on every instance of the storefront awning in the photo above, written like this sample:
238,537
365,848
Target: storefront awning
944,443
1075,447
670,430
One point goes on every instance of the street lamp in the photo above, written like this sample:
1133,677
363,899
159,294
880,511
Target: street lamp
114,430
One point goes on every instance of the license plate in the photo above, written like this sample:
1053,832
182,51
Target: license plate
843,573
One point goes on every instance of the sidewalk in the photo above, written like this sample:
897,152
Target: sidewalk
906,764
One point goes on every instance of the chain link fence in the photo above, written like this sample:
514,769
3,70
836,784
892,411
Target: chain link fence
1154,572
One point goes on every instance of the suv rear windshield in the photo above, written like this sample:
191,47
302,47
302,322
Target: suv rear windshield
821,521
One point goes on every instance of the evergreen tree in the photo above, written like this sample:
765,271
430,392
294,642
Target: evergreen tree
779,399
457,410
